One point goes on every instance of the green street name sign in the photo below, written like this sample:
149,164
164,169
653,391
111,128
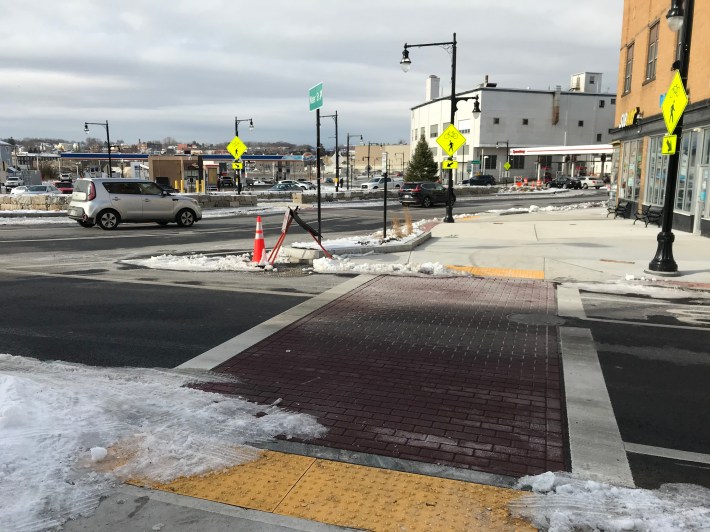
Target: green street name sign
315,97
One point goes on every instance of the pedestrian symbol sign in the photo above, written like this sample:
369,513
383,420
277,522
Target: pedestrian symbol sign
451,140
448,164
236,147
674,103
669,144
506,166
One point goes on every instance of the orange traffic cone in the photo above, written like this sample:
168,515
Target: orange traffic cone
258,242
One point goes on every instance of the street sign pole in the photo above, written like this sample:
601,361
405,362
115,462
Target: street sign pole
315,102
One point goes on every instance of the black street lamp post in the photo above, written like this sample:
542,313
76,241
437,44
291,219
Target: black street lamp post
406,64
239,173
663,263
507,157
337,150
369,144
108,141
347,162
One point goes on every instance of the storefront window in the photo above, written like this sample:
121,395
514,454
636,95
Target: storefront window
686,171
631,170
657,172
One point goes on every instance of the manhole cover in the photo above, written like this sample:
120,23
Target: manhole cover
545,320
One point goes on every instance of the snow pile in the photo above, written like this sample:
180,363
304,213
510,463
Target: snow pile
345,265
550,208
68,432
200,263
562,503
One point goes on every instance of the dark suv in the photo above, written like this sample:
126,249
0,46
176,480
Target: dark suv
424,193
484,179
565,182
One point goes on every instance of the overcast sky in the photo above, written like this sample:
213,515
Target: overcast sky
185,69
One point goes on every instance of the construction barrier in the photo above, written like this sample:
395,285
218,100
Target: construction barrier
259,245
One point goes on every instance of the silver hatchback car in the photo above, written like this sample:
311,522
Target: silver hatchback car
107,202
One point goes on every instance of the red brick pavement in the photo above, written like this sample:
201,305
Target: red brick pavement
425,369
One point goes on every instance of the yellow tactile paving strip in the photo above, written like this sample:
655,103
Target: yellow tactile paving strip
500,272
355,496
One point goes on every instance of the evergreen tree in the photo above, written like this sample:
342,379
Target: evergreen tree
422,166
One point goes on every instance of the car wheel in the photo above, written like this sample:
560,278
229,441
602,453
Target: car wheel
85,224
585,186
426,202
108,220
185,218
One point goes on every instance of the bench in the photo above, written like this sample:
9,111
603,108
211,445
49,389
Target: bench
623,209
650,214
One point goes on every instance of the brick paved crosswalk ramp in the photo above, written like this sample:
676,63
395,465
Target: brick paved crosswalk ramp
456,371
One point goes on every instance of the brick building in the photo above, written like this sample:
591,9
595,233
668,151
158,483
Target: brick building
648,51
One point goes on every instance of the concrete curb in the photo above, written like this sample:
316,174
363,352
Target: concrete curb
307,256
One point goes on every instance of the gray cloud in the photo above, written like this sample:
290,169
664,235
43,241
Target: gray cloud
184,68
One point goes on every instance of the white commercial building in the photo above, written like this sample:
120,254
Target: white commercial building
519,118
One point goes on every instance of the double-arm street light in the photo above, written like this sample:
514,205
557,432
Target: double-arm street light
406,64
369,144
347,163
678,20
239,173
108,141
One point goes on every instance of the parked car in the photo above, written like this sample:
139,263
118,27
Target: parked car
65,186
588,182
13,181
379,182
226,182
285,187
34,189
425,194
306,185
565,182
110,202
480,180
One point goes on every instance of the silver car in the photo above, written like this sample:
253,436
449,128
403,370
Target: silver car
108,202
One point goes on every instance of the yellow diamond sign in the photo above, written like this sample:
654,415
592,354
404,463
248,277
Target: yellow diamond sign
451,140
236,147
674,103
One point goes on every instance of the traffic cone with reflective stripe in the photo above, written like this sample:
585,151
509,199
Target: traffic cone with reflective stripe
258,242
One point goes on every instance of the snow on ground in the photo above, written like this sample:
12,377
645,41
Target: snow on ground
561,503
70,432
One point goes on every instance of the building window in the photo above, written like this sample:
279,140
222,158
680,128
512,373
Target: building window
686,171
517,162
464,126
496,120
422,132
525,121
580,123
599,137
629,65
591,80
652,52
656,172
613,101
602,103
434,131
631,170
490,162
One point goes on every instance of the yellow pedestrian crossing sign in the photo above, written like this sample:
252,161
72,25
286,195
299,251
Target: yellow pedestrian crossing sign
236,147
674,103
451,140
669,144
506,166
448,164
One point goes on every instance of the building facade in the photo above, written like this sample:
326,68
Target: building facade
648,51
511,118
5,160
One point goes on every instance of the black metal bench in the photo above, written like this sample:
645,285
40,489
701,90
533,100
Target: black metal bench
623,209
650,214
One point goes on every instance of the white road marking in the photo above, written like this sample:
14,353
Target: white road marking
569,303
663,452
596,447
